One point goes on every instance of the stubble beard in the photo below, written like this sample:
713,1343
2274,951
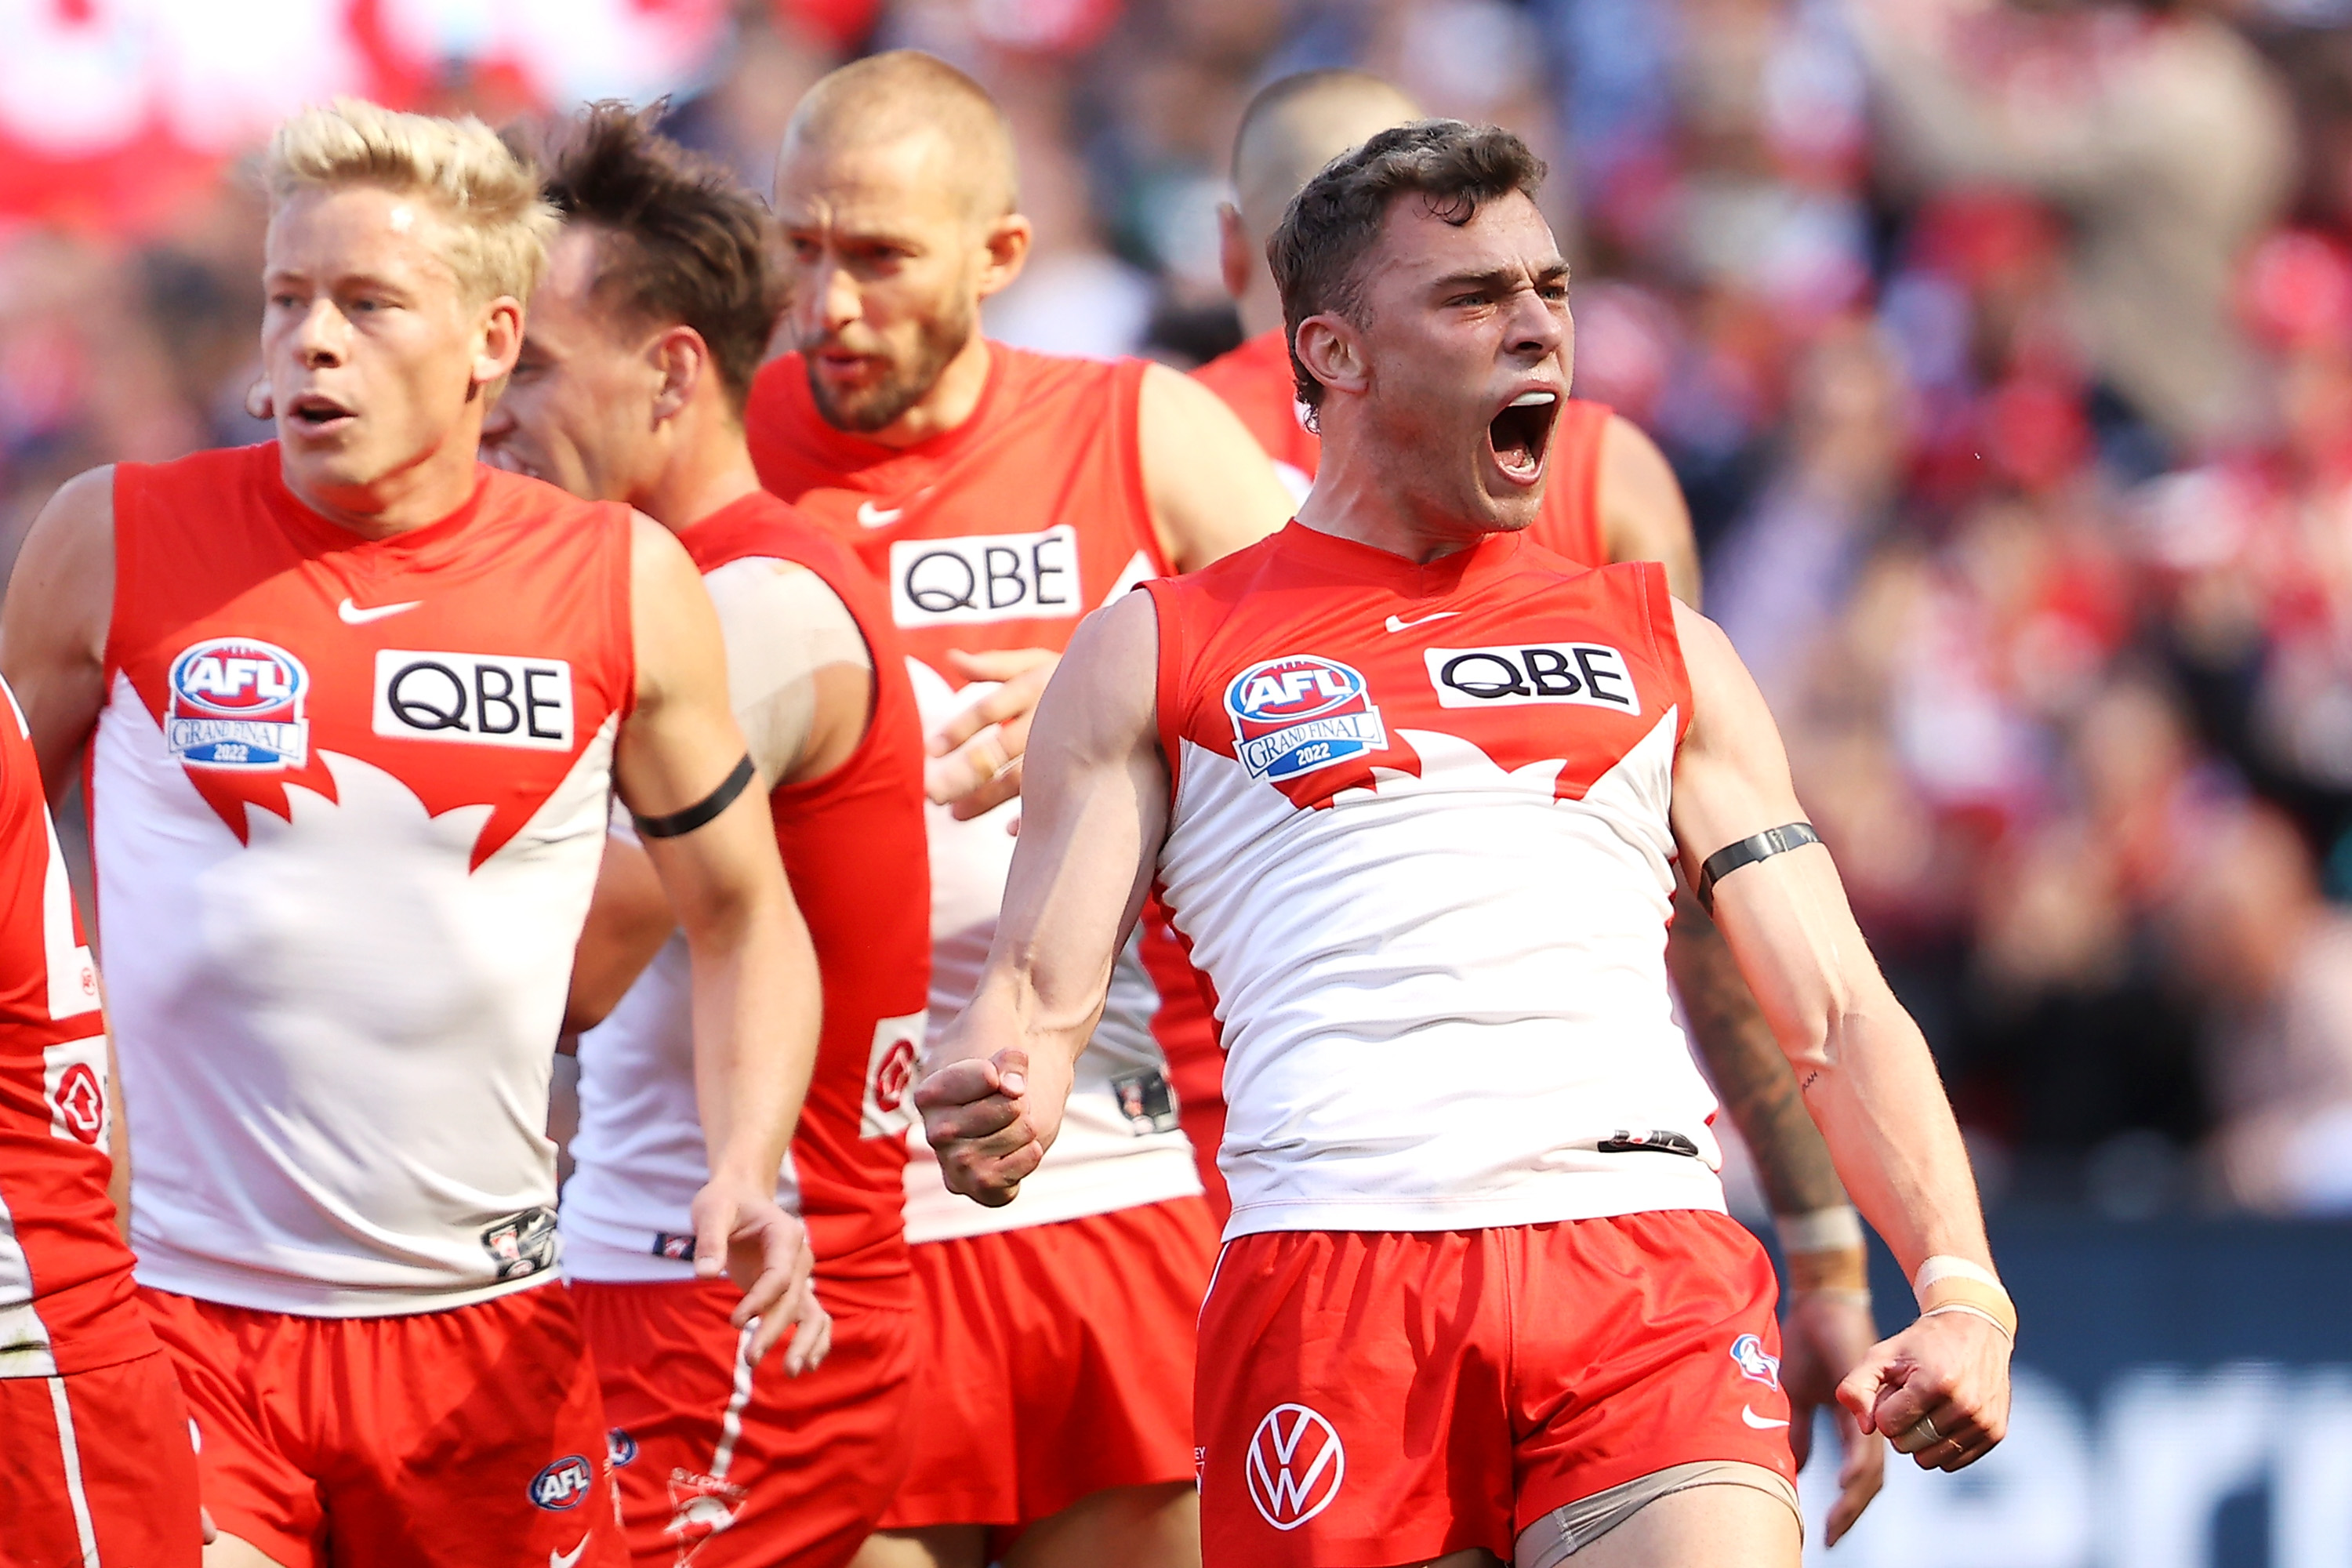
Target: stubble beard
882,404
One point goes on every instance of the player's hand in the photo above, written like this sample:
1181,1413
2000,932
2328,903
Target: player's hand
1939,1390
975,759
1827,1334
746,1234
977,1116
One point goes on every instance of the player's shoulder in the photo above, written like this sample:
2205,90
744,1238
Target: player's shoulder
763,524
521,498
1247,368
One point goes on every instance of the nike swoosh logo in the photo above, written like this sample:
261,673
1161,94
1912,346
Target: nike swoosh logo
567,1559
1398,625
353,615
1761,1422
871,516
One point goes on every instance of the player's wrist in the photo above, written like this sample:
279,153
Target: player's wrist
1947,1284
1823,1252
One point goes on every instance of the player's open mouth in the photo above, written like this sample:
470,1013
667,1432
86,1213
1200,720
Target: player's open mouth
1519,434
317,413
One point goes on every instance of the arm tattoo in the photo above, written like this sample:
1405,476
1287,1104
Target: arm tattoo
1751,1074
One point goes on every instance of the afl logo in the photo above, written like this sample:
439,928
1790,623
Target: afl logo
235,702
565,1484
1295,1465
1295,714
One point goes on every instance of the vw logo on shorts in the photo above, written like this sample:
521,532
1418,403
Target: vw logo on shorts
1295,1465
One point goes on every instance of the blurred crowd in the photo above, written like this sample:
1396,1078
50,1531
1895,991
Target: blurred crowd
2004,349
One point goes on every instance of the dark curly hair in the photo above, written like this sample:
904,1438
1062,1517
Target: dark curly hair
1334,222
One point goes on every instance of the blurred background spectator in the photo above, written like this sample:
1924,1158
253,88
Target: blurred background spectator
2004,346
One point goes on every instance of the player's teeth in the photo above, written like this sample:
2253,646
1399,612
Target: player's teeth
1531,399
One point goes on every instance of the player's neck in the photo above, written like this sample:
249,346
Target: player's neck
952,398
1355,497
710,470
416,494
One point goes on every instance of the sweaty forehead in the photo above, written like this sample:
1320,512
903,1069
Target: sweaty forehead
358,228
1507,233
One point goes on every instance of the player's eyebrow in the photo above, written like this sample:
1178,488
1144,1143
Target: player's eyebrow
1499,280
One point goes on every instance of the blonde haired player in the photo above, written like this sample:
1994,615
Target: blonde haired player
353,706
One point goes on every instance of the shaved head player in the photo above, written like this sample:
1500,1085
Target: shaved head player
1000,495
1608,495
1479,1300
355,707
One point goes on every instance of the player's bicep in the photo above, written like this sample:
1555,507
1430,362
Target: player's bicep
1782,911
680,741
1095,807
1212,490
54,629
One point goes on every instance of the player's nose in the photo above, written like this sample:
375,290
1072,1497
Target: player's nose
1534,331
318,339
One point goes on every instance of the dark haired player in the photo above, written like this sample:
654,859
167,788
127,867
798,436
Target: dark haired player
1478,1300
640,350
1608,495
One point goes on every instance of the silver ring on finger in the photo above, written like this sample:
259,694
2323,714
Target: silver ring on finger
1928,1426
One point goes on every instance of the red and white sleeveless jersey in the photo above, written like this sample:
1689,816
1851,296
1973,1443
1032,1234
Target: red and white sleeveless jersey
1256,382
999,535
853,848
67,1301
1419,841
348,798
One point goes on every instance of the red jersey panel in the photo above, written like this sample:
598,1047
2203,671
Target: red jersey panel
852,843
1001,535
1419,841
1254,380
67,1302
349,796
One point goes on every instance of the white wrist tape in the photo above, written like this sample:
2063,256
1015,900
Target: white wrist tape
1833,1229
1944,1266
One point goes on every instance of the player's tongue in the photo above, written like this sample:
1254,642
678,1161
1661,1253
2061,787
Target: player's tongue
1520,432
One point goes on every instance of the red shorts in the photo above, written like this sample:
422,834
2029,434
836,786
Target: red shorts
1372,1397
1057,1361
441,1439
96,1468
733,1465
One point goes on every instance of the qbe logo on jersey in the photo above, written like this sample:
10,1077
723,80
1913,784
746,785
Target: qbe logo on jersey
1297,713
1295,1465
487,699
238,703
985,577
1520,674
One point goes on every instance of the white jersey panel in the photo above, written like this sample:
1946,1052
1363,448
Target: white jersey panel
1445,998
1118,1147
346,975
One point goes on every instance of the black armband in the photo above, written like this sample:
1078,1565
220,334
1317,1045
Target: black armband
1746,852
702,811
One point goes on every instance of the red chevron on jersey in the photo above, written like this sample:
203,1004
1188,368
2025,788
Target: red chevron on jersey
1384,774
377,648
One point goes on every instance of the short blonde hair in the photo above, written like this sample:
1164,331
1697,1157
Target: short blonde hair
500,227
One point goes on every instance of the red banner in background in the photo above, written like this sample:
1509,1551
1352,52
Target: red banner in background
114,111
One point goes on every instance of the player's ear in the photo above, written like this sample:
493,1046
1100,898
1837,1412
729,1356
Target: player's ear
501,340
1236,259
682,360
1005,247
1333,353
